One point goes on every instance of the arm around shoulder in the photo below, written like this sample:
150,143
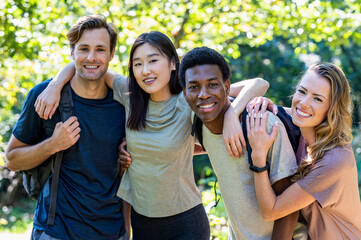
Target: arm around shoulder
232,131
48,101
245,90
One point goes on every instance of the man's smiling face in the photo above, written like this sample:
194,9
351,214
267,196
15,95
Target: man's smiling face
205,91
92,54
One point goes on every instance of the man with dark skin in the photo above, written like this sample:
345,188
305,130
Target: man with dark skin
204,76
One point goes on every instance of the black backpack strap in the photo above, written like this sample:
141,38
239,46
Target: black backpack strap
293,132
66,109
197,130
244,129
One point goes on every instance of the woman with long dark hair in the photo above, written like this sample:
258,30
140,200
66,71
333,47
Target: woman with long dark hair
160,185
325,186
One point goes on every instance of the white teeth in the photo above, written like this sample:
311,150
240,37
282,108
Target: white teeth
207,106
92,67
302,113
149,80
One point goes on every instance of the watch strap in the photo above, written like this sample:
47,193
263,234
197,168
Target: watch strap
258,169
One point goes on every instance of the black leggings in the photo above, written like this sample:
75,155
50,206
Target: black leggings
189,225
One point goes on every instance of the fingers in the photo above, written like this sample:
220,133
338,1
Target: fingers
76,137
70,121
53,110
275,109
257,104
248,125
72,127
257,121
274,131
124,157
229,150
239,146
235,145
250,105
264,106
264,121
40,109
251,120
124,161
243,141
123,148
47,111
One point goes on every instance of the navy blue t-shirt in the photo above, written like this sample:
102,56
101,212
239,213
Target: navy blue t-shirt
87,204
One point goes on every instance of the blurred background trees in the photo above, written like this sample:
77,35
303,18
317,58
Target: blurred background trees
276,40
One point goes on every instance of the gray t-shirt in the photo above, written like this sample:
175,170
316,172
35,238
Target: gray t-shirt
336,213
160,181
236,181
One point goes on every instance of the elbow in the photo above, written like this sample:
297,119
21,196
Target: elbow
270,215
10,164
262,84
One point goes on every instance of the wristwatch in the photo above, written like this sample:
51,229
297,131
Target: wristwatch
258,169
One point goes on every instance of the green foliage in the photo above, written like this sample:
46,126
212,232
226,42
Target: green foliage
272,39
217,215
17,218
356,145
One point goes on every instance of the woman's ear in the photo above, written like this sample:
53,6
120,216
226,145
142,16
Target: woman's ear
172,63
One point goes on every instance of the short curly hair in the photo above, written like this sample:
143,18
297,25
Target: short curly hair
202,56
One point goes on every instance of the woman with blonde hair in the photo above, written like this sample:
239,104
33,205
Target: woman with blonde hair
325,186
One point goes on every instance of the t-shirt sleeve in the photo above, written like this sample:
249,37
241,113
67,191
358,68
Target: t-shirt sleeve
183,105
280,156
29,128
326,179
121,89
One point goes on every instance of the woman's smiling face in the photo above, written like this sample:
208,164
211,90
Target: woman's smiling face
152,71
311,101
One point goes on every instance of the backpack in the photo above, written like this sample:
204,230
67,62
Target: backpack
34,179
293,132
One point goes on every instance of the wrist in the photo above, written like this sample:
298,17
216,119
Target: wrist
54,83
231,113
51,145
259,158
235,107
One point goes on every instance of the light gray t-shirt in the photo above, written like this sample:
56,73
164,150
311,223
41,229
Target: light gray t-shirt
236,181
336,213
160,181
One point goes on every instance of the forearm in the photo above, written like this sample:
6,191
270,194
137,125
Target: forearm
126,208
265,195
64,76
283,228
246,90
110,75
29,156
